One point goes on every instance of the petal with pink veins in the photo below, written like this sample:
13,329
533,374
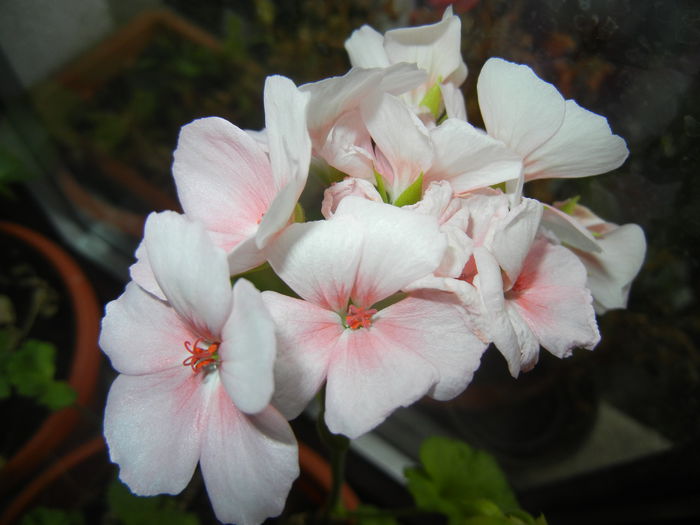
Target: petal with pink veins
142,334
248,462
306,334
191,271
551,296
153,425
223,176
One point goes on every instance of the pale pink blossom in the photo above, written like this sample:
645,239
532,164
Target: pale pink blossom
242,193
372,359
612,254
554,137
351,186
196,379
533,292
433,48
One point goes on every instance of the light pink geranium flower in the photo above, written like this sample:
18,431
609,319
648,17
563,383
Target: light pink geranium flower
533,292
372,360
433,48
554,137
241,193
196,378
612,254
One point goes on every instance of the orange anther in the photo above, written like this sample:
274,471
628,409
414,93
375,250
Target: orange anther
201,357
359,317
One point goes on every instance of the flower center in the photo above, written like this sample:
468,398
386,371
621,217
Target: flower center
204,355
359,317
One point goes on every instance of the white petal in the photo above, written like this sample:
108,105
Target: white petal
287,136
410,152
153,429
365,48
306,336
584,145
610,272
568,230
453,98
191,271
433,48
469,158
142,334
142,273
518,108
248,462
248,350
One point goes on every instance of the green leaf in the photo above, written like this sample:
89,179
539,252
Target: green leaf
381,187
412,194
135,510
45,516
369,515
432,100
458,481
57,395
31,367
299,215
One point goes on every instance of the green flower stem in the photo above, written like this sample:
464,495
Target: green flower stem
338,446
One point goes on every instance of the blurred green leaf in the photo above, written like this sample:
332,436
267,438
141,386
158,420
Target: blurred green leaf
44,516
135,510
458,481
57,395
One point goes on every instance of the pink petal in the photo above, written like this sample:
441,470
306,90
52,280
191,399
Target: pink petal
191,271
372,373
489,283
337,191
518,108
398,246
153,427
433,326
319,260
248,350
348,147
306,335
551,296
141,334
584,145
469,159
248,462
223,177
513,236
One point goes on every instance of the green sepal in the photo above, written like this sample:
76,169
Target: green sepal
299,215
381,187
412,194
569,205
432,100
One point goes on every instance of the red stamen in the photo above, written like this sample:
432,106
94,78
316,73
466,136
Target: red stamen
359,317
201,357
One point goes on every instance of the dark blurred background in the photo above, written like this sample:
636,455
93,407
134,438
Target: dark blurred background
92,96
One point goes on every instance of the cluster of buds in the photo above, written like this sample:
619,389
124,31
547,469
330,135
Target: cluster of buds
429,252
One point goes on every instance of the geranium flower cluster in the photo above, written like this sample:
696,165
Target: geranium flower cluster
429,252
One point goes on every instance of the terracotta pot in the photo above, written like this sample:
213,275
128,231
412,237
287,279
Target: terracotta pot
314,481
85,356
